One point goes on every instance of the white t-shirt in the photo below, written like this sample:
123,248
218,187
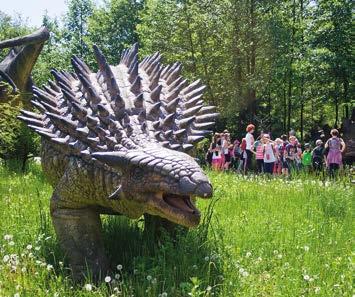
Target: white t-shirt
269,156
249,138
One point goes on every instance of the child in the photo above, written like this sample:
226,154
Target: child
269,156
307,158
259,155
216,152
291,153
336,147
278,155
317,156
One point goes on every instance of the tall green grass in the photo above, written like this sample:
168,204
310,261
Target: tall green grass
266,237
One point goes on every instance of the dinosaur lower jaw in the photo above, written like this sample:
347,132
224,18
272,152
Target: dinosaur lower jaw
178,209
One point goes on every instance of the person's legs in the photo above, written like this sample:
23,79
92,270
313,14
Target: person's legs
247,166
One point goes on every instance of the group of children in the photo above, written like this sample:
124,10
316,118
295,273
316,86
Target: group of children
280,156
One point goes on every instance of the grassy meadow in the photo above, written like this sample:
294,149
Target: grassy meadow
259,237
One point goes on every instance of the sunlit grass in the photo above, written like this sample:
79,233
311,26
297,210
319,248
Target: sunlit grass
267,237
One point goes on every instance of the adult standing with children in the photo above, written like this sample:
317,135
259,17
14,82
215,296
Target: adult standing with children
335,146
249,139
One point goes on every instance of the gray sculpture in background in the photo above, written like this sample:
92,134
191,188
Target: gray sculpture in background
16,67
117,142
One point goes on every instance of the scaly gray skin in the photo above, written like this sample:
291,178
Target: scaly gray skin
115,142
16,67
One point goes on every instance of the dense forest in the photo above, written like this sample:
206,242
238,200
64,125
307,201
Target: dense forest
281,64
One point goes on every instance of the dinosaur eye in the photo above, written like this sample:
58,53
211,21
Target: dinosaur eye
137,174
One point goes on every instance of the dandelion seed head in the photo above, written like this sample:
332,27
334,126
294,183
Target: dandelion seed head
29,247
248,254
88,287
11,243
306,248
119,267
107,279
6,258
207,258
8,237
317,290
49,267
149,278
117,276
306,277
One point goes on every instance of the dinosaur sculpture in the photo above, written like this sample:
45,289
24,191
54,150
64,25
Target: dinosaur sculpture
116,142
16,68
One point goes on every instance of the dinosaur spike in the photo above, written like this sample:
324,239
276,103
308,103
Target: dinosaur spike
59,77
31,114
154,110
194,139
179,133
139,100
195,92
154,81
103,111
47,135
191,111
82,64
79,111
155,94
186,122
69,96
168,120
63,123
171,106
193,101
49,90
92,95
133,71
156,124
206,110
113,159
50,108
195,85
136,86
142,116
173,95
43,96
31,121
175,146
38,105
187,147
174,74
200,132
132,56
53,85
206,117
204,125
168,133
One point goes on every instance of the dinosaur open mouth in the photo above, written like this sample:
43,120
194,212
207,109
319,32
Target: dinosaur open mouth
181,203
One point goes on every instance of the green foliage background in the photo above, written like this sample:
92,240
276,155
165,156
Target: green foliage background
280,64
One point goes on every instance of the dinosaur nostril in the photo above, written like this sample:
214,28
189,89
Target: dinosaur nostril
204,190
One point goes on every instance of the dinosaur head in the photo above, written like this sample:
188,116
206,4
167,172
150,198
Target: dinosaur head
165,181
140,118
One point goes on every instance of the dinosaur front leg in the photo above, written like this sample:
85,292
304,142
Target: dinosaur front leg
80,234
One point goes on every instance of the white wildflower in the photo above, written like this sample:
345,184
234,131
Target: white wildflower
245,273
37,248
306,248
6,258
119,267
207,258
8,237
29,247
317,290
279,256
117,276
209,288
164,294
11,243
241,270
23,269
17,295
248,254
88,287
49,267
107,279
149,278
306,277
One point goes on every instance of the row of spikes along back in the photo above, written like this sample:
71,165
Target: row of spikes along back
123,107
